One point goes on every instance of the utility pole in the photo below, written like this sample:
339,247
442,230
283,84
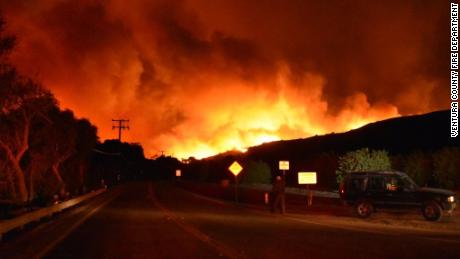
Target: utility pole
120,124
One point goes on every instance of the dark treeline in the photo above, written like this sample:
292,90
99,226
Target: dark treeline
116,162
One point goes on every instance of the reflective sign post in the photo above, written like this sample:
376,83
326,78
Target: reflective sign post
283,166
235,168
307,178
309,196
178,174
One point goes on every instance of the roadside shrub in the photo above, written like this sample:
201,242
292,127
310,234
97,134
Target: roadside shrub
362,160
257,172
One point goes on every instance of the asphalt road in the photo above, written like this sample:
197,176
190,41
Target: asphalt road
160,220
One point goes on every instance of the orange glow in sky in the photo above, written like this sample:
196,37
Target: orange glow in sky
200,77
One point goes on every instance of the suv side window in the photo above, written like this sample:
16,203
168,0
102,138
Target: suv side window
358,184
393,183
409,185
377,183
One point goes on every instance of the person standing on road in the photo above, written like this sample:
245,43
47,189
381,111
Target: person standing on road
279,200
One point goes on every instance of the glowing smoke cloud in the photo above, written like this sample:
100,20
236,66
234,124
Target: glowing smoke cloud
198,77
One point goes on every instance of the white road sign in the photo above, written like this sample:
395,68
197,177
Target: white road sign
284,165
307,177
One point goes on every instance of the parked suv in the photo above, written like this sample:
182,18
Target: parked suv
367,191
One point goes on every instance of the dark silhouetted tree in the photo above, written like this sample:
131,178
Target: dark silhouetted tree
36,138
21,100
418,165
447,167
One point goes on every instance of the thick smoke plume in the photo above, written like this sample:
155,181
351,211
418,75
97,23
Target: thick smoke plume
197,77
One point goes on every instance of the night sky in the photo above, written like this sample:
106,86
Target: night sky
197,77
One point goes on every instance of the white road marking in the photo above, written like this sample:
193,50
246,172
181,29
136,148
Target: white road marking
55,242
220,247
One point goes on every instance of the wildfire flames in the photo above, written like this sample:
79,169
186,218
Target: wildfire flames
198,77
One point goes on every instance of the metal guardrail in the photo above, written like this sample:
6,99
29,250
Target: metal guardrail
292,190
10,224
268,188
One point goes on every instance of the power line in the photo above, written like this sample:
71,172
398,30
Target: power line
120,124
105,153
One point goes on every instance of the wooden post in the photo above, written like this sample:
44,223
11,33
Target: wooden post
309,196
266,198
236,188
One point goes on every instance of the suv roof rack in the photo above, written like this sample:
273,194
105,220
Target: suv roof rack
380,173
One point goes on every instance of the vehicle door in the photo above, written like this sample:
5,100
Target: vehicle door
399,193
376,189
357,187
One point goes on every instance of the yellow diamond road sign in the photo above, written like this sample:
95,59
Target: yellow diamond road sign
235,168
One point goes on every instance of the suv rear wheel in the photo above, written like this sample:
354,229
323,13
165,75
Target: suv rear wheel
432,211
364,208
